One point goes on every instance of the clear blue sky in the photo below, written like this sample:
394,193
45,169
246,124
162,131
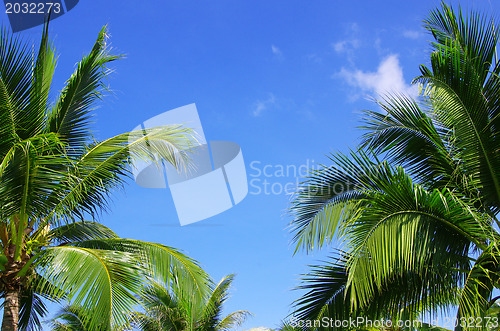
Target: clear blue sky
284,79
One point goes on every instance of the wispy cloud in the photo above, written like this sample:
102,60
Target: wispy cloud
345,46
388,78
412,34
276,51
262,105
313,57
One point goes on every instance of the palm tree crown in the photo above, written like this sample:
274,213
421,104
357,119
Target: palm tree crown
416,204
182,308
53,173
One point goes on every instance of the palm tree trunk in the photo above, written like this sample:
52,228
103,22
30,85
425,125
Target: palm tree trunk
11,309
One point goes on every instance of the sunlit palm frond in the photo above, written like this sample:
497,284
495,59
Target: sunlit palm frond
15,81
406,134
181,306
157,261
464,85
72,318
327,292
103,166
32,310
482,278
32,118
211,315
97,280
80,231
233,320
396,233
70,116
330,198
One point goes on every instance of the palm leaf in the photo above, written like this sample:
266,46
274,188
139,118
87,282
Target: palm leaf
80,231
70,115
104,165
97,280
157,261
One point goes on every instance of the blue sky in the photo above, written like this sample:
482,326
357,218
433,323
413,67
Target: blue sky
286,80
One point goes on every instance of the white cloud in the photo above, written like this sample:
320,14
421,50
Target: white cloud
276,51
262,105
260,328
411,34
388,78
314,58
345,46
353,27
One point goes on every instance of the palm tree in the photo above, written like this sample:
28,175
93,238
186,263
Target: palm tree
69,318
54,173
418,226
75,318
181,308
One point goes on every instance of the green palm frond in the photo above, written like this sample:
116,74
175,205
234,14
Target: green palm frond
397,231
32,309
480,281
327,292
180,306
157,261
464,86
104,165
30,171
407,296
52,173
97,280
408,136
71,318
211,318
80,231
233,320
165,310
31,121
329,198
70,116
15,81
475,36
393,237
412,223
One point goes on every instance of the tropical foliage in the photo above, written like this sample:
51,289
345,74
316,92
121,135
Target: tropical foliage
53,173
70,318
182,308
415,205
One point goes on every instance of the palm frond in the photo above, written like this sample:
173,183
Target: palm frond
327,292
15,80
233,320
71,318
70,115
97,280
329,198
157,261
103,166
32,118
464,88
480,282
408,136
80,231
32,310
